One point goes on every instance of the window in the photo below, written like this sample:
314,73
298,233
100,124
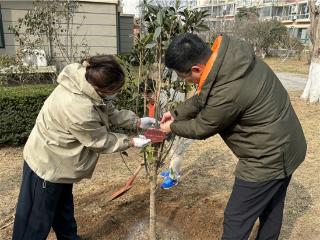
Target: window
265,12
303,8
2,45
302,35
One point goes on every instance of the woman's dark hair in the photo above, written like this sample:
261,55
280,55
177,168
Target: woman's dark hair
185,51
104,72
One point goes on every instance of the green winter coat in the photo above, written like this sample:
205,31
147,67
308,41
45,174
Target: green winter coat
243,100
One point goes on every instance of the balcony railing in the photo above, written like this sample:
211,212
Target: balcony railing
288,18
303,16
273,2
295,17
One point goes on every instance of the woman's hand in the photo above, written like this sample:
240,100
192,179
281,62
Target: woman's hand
140,141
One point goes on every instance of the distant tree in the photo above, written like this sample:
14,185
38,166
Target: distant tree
267,34
49,25
245,20
290,45
247,14
261,34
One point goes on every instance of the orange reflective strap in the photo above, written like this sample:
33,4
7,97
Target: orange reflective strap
215,47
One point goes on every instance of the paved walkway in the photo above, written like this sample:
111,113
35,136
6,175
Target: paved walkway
292,81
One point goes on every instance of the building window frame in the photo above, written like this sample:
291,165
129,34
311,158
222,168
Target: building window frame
2,42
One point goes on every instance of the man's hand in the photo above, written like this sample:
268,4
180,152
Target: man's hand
166,126
140,141
166,117
146,122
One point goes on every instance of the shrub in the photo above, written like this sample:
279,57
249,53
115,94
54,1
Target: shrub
127,99
19,107
130,97
7,61
13,73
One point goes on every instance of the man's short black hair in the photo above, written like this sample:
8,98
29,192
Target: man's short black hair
185,51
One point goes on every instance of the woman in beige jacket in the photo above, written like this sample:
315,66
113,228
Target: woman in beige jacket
70,132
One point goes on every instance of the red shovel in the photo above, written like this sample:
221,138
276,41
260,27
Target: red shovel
128,184
156,136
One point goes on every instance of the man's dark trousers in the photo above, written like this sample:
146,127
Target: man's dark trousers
250,201
42,205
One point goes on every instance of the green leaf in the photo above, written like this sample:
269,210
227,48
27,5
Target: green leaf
165,44
160,18
157,33
151,45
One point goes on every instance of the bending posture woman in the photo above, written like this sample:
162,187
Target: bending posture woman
70,132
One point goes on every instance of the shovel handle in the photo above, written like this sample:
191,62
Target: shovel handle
135,174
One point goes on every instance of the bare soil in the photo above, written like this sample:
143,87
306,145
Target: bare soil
192,210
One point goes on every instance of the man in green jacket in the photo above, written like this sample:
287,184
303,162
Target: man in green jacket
242,99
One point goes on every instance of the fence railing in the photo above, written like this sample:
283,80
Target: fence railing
303,16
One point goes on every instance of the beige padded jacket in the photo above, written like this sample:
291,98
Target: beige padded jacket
72,129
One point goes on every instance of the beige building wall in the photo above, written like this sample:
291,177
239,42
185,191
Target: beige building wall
11,11
95,24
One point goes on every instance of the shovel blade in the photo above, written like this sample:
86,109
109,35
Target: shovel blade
127,185
120,192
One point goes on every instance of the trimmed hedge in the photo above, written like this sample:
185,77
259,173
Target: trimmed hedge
19,107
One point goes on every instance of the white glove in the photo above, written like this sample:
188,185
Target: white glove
140,141
146,122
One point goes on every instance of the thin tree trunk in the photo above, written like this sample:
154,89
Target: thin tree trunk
312,89
157,112
145,86
145,99
157,155
153,186
67,33
70,30
50,50
50,40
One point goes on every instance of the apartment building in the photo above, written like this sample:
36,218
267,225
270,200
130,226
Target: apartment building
221,13
189,3
294,14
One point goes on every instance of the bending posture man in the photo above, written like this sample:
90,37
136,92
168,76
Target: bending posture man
240,98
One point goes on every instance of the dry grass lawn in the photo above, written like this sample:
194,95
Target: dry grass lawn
289,65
